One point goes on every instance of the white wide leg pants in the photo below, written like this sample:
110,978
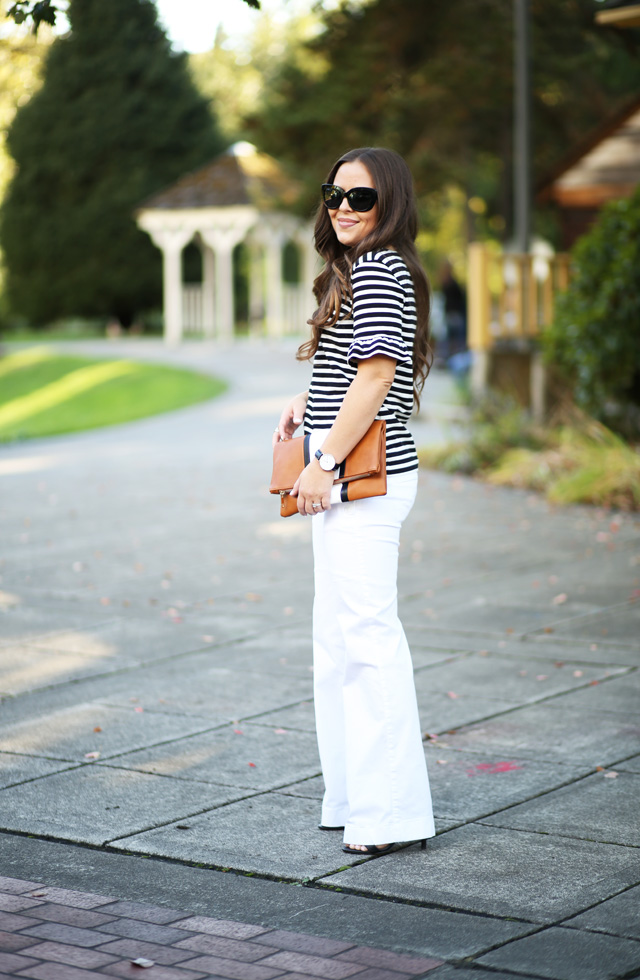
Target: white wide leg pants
366,712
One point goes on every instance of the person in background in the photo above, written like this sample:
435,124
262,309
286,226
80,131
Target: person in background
455,311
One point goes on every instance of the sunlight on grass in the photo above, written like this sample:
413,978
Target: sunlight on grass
45,393
61,391
23,359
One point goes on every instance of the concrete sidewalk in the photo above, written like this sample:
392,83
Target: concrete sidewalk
155,657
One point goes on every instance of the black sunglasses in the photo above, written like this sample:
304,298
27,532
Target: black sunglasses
359,198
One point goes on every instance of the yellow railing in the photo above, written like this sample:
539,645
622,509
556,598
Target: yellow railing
511,297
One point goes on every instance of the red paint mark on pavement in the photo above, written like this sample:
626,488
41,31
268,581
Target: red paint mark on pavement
491,768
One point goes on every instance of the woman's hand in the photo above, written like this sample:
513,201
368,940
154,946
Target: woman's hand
291,418
313,486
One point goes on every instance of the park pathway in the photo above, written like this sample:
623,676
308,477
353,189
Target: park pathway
155,662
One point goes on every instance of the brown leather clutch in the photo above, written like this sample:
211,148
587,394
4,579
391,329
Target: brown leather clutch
362,474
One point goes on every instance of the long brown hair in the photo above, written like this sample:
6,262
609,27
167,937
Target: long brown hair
396,228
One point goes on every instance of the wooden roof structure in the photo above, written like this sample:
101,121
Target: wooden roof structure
606,166
239,177
619,13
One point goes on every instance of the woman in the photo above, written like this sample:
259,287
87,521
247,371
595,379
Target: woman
370,358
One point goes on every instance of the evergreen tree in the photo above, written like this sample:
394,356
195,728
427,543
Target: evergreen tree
434,80
117,118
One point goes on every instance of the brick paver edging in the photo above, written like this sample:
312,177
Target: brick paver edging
58,934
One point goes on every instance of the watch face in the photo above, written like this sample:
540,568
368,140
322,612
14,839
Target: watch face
327,462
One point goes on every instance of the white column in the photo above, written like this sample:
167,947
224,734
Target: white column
274,304
256,288
223,240
172,290
208,290
310,269
225,313
171,242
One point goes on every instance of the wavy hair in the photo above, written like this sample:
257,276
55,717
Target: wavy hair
396,228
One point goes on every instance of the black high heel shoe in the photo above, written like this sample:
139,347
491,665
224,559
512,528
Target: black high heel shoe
322,827
375,850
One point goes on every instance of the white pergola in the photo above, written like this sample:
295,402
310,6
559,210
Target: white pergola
236,198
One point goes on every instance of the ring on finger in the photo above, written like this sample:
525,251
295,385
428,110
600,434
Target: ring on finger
315,506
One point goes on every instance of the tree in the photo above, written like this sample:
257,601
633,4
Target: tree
116,119
21,57
594,342
434,81
39,12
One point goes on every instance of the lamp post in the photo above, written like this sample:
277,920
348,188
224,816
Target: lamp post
522,127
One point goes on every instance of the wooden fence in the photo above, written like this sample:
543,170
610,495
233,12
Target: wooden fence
511,298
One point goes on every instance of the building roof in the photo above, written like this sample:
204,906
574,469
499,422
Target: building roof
241,176
605,167
620,13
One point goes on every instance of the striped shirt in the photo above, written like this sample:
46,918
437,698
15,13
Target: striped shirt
380,320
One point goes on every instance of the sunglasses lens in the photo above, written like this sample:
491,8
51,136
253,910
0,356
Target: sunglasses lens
332,196
362,198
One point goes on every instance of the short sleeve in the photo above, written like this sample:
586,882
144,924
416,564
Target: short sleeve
378,302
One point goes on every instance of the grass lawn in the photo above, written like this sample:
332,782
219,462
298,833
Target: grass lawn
43,393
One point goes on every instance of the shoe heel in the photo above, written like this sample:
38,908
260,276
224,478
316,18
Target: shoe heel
423,844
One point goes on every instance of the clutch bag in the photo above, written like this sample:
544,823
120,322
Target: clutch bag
362,474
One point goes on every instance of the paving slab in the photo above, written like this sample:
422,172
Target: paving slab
536,877
96,728
617,693
27,668
553,734
617,916
467,786
448,972
138,638
602,807
630,765
192,685
559,954
621,625
496,618
22,768
543,647
120,802
253,835
440,712
248,757
299,717
504,678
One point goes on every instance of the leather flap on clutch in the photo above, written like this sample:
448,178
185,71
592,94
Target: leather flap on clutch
288,464
366,458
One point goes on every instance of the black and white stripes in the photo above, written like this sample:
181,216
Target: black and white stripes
382,320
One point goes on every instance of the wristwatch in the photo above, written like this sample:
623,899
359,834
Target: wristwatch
326,460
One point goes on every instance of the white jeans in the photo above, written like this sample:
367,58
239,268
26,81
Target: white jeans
366,712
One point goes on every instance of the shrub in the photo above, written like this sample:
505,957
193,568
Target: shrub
594,342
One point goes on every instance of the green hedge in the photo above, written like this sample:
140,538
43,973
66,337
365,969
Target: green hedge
594,342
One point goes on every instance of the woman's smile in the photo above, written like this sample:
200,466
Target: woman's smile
350,226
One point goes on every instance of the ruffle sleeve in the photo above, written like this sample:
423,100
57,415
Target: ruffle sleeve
378,303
